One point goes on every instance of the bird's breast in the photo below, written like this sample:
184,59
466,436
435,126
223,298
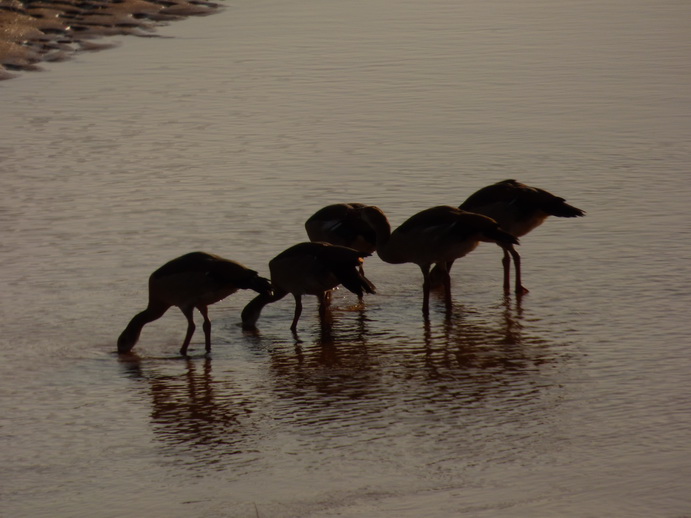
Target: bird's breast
520,227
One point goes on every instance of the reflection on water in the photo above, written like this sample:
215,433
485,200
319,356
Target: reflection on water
465,345
198,419
347,386
572,401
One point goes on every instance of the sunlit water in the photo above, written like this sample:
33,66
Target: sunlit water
574,401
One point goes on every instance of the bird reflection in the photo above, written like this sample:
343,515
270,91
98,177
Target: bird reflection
347,337
335,363
353,377
513,317
461,342
346,332
191,413
329,343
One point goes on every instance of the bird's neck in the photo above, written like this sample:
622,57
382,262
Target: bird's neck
130,335
385,249
253,309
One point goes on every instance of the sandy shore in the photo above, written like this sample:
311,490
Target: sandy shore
33,31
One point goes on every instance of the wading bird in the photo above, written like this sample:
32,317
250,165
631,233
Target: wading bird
194,280
518,209
309,269
343,224
435,236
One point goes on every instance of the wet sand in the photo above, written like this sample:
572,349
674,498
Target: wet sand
32,32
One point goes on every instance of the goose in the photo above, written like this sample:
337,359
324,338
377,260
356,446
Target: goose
435,236
518,209
343,224
309,268
194,280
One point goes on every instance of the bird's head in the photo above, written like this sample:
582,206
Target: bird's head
127,340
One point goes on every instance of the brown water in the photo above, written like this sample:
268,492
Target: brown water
574,401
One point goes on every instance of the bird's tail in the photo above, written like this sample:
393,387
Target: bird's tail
356,282
349,275
345,265
558,207
261,285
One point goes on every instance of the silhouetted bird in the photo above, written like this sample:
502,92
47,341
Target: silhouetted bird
435,236
343,224
309,269
194,280
518,209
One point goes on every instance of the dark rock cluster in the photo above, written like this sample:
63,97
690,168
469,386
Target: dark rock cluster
35,31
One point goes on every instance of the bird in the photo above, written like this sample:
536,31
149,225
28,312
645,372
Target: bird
343,224
435,236
518,209
194,280
309,268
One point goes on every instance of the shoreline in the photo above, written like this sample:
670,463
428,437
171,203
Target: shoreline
32,32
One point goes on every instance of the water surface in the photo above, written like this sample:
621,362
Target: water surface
225,137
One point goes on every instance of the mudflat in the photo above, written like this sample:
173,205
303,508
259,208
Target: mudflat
32,32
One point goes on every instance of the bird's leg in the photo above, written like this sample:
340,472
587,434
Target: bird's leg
206,326
324,306
520,289
446,279
425,288
506,262
362,274
437,277
298,311
324,302
188,312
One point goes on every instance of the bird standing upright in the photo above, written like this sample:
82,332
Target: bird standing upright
435,236
194,280
309,269
518,209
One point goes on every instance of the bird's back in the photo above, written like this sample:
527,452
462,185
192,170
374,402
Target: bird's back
517,207
342,224
201,278
315,267
441,233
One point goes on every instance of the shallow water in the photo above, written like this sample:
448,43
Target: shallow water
225,137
